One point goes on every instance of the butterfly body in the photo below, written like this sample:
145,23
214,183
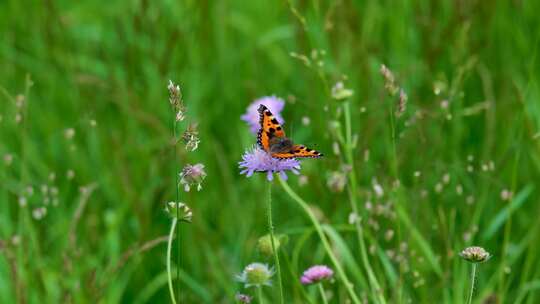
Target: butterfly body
272,139
280,145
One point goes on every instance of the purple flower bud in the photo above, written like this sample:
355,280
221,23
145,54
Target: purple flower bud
315,274
192,175
242,298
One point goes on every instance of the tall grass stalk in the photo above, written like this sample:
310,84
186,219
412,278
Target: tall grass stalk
169,251
473,278
352,190
272,241
323,295
178,261
324,240
395,171
25,228
175,97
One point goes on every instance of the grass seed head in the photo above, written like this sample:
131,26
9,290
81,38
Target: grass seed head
190,137
175,98
402,103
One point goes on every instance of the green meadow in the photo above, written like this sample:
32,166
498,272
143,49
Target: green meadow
427,113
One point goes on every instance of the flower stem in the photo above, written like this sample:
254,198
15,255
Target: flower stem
326,244
323,295
376,289
272,241
473,278
259,295
177,169
169,250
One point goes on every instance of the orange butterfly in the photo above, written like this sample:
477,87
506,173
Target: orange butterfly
271,138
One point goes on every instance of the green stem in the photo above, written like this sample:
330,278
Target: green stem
259,295
323,295
473,278
352,189
25,227
508,224
326,244
395,171
177,169
393,136
169,250
272,241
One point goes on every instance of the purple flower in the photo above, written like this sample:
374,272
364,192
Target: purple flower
315,274
192,175
273,103
258,160
242,298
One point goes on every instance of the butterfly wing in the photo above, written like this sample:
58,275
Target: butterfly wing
298,151
270,128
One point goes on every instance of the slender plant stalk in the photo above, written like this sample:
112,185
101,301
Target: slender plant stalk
323,295
169,251
275,252
395,169
177,169
393,136
23,216
473,278
352,189
508,224
259,295
326,244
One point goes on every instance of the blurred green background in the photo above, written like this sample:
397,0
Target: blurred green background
88,164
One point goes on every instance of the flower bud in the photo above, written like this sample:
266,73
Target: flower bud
183,213
339,92
264,244
243,298
256,274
